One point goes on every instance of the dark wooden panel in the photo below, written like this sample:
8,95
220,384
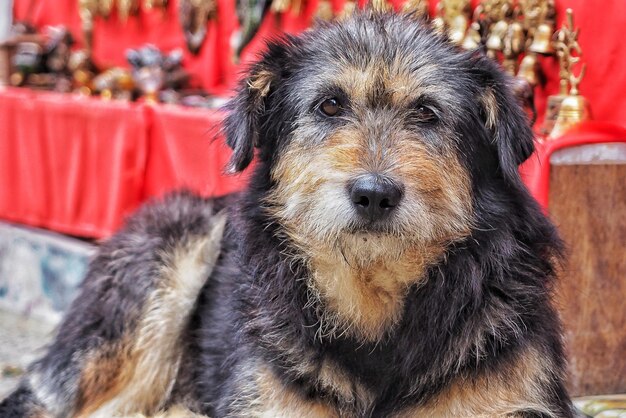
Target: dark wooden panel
588,203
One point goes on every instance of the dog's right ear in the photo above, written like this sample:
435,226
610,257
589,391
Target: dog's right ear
247,109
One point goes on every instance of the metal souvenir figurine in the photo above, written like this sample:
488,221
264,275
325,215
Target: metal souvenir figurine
115,83
82,70
153,71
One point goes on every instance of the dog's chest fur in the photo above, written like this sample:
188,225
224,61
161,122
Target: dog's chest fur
282,364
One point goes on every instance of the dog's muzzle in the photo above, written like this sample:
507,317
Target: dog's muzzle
375,196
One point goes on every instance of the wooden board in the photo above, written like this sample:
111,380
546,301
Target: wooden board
588,203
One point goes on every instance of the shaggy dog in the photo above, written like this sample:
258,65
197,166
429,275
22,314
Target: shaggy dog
385,260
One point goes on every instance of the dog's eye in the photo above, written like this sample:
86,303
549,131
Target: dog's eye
425,114
330,107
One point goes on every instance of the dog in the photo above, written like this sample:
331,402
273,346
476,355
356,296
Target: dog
385,259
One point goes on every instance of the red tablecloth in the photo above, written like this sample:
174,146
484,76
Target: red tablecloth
186,150
79,165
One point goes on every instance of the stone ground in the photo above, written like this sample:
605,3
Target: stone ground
21,342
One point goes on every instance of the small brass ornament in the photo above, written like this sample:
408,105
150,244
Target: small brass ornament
528,69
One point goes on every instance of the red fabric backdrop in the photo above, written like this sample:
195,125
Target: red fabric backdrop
601,24
80,165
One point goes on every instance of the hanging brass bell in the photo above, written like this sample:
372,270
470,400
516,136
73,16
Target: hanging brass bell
528,69
472,39
457,30
516,38
349,8
438,25
574,110
495,39
280,6
542,42
324,10
105,7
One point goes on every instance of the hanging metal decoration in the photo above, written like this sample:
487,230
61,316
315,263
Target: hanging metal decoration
155,4
453,18
194,16
250,14
105,7
127,8
573,108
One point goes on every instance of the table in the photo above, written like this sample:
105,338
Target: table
79,165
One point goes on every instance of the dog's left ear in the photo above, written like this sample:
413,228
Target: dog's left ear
505,119
248,108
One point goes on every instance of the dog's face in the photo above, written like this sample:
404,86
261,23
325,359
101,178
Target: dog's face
373,134
370,127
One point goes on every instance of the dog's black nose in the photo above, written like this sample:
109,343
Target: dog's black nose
375,196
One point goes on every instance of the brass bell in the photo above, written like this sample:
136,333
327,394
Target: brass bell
574,110
457,30
516,38
542,42
472,39
105,7
438,25
280,6
528,69
324,10
349,8
495,40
